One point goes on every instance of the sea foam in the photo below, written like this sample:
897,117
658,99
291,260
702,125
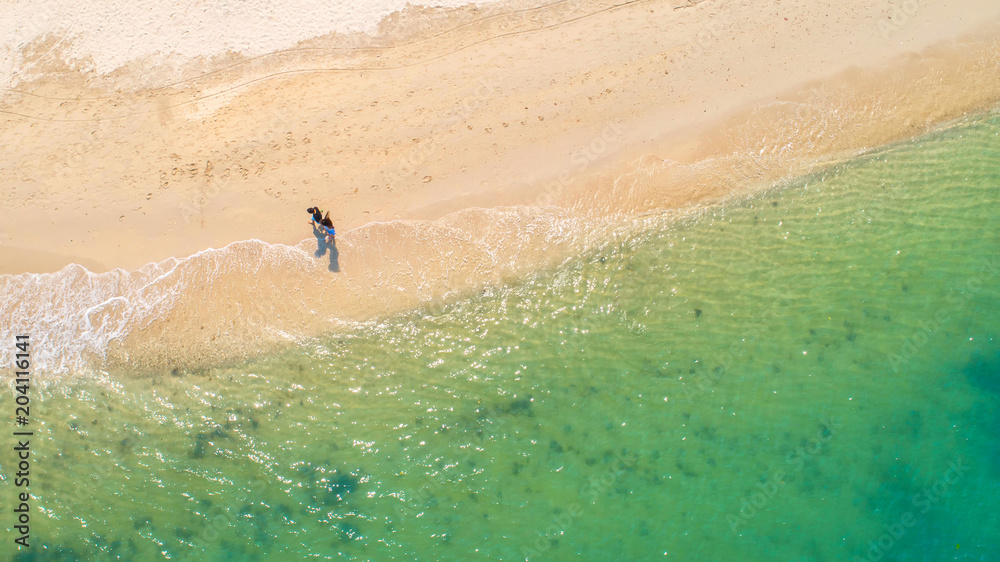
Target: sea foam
235,302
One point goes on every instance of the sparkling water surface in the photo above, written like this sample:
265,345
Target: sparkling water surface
812,373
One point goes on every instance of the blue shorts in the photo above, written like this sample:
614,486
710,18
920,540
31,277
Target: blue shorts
330,231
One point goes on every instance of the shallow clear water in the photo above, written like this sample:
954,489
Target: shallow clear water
809,374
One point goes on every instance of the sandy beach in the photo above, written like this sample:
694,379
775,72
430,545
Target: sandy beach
471,108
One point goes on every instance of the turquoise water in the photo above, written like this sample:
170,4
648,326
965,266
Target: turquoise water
809,374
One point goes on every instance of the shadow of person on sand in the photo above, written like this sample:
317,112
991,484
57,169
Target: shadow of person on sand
322,246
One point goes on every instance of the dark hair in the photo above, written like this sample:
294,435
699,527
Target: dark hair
311,210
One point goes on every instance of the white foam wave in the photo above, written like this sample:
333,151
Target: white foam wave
239,300
73,316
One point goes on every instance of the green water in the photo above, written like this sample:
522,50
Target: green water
782,378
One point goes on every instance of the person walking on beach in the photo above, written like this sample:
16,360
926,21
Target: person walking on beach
330,232
317,215
323,222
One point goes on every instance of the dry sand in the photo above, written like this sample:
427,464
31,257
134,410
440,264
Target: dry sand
473,108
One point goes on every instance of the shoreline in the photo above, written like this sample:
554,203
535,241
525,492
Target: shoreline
442,181
186,329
